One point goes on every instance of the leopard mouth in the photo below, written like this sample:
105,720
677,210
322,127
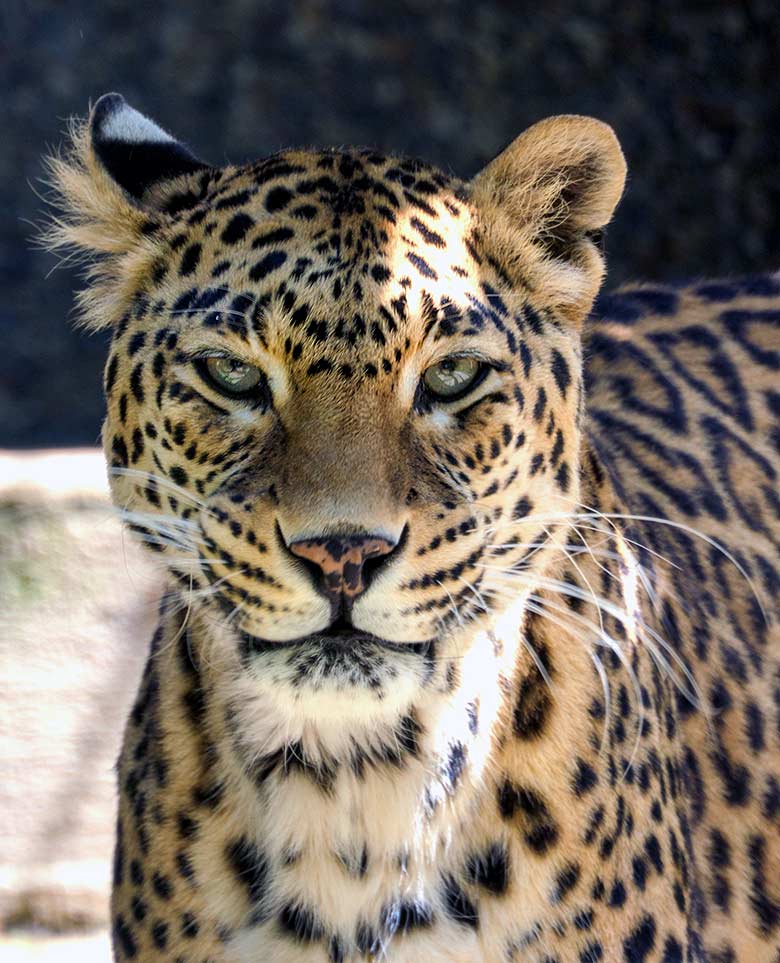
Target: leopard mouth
340,637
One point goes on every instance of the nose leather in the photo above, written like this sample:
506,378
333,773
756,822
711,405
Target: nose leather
341,560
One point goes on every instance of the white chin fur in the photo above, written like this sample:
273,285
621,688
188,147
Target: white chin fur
274,707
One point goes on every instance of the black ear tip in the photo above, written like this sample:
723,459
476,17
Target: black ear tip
105,106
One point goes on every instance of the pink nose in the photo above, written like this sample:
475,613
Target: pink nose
340,560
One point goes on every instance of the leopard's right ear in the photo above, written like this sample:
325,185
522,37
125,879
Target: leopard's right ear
119,179
119,169
135,152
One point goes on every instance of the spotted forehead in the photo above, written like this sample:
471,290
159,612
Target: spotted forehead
346,244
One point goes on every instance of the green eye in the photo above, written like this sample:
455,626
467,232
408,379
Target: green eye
231,376
453,377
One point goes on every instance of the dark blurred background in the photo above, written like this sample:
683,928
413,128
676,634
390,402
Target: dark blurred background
691,88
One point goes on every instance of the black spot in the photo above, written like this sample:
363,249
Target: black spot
673,952
178,475
136,384
111,370
187,826
237,228
617,897
268,264
540,404
585,778
565,882
533,705
640,942
184,866
592,953
456,762
136,343
422,266
160,934
162,886
190,260
522,507
233,200
538,827
406,916
273,237
366,939
139,908
119,449
136,873
277,198
766,909
250,867
431,237
320,367
562,477
301,923
189,926
194,703
123,937
653,853
583,920
119,855
490,869
472,712
560,370
336,950
457,904
754,727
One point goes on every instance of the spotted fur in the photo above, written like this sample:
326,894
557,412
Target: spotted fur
493,679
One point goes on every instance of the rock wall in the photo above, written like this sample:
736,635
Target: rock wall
78,607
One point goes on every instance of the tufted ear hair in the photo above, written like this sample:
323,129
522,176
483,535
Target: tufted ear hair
542,204
114,185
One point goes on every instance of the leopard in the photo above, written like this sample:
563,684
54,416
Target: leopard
468,650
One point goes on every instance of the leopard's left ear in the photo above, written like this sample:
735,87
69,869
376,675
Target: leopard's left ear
542,204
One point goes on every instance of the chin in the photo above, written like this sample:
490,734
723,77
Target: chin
333,681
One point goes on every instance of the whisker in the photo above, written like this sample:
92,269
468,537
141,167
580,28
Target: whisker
605,640
696,533
568,518
602,673
652,643
531,651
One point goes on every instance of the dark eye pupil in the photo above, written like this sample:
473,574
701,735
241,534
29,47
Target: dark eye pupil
231,375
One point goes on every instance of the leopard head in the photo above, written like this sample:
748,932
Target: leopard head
344,388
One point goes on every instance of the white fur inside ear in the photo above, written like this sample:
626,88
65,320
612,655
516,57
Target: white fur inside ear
131,127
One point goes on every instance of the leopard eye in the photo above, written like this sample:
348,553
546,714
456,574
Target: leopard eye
453,377
230,376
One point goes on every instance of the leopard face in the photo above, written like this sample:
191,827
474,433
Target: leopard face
344,388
